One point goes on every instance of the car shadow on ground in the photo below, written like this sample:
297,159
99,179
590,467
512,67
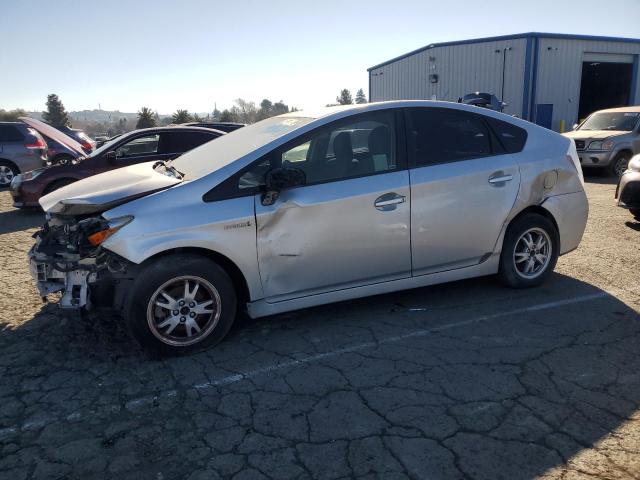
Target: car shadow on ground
602,177
17,220
498,396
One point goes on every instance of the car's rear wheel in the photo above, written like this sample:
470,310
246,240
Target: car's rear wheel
620,163
7,172
62,160
529,252
179,304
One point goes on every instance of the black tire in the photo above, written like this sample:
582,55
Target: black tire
509,273
140,315
619,164
7,171
56,185
635,212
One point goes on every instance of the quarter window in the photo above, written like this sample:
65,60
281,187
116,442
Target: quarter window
9,133
442,135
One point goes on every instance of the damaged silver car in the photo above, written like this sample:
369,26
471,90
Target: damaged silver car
309,208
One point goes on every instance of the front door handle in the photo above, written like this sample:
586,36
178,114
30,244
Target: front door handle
500,178
389,201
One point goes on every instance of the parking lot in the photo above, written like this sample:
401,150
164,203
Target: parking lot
463,380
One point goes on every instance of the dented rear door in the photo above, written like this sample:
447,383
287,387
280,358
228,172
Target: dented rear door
335,235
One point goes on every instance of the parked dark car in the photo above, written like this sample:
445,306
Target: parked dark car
161,143
58,153
223,126
88,143
21,149
484,100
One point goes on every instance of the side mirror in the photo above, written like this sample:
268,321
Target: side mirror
110,156
279,179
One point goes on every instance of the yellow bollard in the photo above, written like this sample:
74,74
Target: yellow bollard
561,126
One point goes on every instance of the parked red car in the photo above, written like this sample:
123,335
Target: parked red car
162,143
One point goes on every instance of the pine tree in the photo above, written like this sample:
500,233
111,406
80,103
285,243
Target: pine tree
360,98
146,118
181,116
345,97
55,115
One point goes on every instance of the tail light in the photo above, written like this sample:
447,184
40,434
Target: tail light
39,143
87,146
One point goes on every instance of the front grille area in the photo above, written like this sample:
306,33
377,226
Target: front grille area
580,144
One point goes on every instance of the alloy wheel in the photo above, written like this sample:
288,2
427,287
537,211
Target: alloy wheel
6,175
184,310
532,253
620,166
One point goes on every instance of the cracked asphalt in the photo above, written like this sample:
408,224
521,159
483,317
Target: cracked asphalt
465,380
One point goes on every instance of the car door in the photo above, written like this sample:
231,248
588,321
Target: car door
349,224
463,186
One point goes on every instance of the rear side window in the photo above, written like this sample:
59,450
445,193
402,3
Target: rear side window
180,142
9,133
437,135
511,137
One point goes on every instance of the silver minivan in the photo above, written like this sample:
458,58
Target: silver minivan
309,208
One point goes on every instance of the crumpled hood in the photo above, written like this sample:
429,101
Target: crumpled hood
107,190
593,134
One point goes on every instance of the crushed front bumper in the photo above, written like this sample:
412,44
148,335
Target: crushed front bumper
74,283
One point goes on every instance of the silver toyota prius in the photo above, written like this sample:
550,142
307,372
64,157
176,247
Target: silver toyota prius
310,208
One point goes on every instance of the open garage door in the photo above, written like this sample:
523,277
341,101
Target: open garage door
606,82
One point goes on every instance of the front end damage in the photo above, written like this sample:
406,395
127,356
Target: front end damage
68,258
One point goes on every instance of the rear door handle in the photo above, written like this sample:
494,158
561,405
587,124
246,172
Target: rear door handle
388,201
500,179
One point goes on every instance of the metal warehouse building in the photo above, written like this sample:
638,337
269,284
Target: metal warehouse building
551,79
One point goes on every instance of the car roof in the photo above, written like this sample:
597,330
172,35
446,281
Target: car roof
176,128
630,109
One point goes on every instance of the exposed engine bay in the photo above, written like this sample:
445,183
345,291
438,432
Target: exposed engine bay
67,257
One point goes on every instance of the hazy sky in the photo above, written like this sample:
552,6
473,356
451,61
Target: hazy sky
191,53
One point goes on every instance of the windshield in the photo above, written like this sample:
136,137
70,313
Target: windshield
221,152
619,121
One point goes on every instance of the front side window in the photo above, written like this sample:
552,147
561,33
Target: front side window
356,147
437,135
180,142
146,145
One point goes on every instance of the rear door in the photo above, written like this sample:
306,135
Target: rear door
463,186
349,225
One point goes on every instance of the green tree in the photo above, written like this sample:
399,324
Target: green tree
11,115
197,118
55,115
227,116
181,116
279,108
265,109
146,118
345,97
360,98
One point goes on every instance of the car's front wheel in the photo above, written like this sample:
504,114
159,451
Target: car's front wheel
181,303
7,172
619,163
529,252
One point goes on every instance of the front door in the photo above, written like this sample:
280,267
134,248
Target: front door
463,187
349,225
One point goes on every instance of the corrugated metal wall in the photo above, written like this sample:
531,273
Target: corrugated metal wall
465,68
461,69
560,72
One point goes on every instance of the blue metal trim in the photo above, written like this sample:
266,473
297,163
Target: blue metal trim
534,79
564,36
526,98
634,98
